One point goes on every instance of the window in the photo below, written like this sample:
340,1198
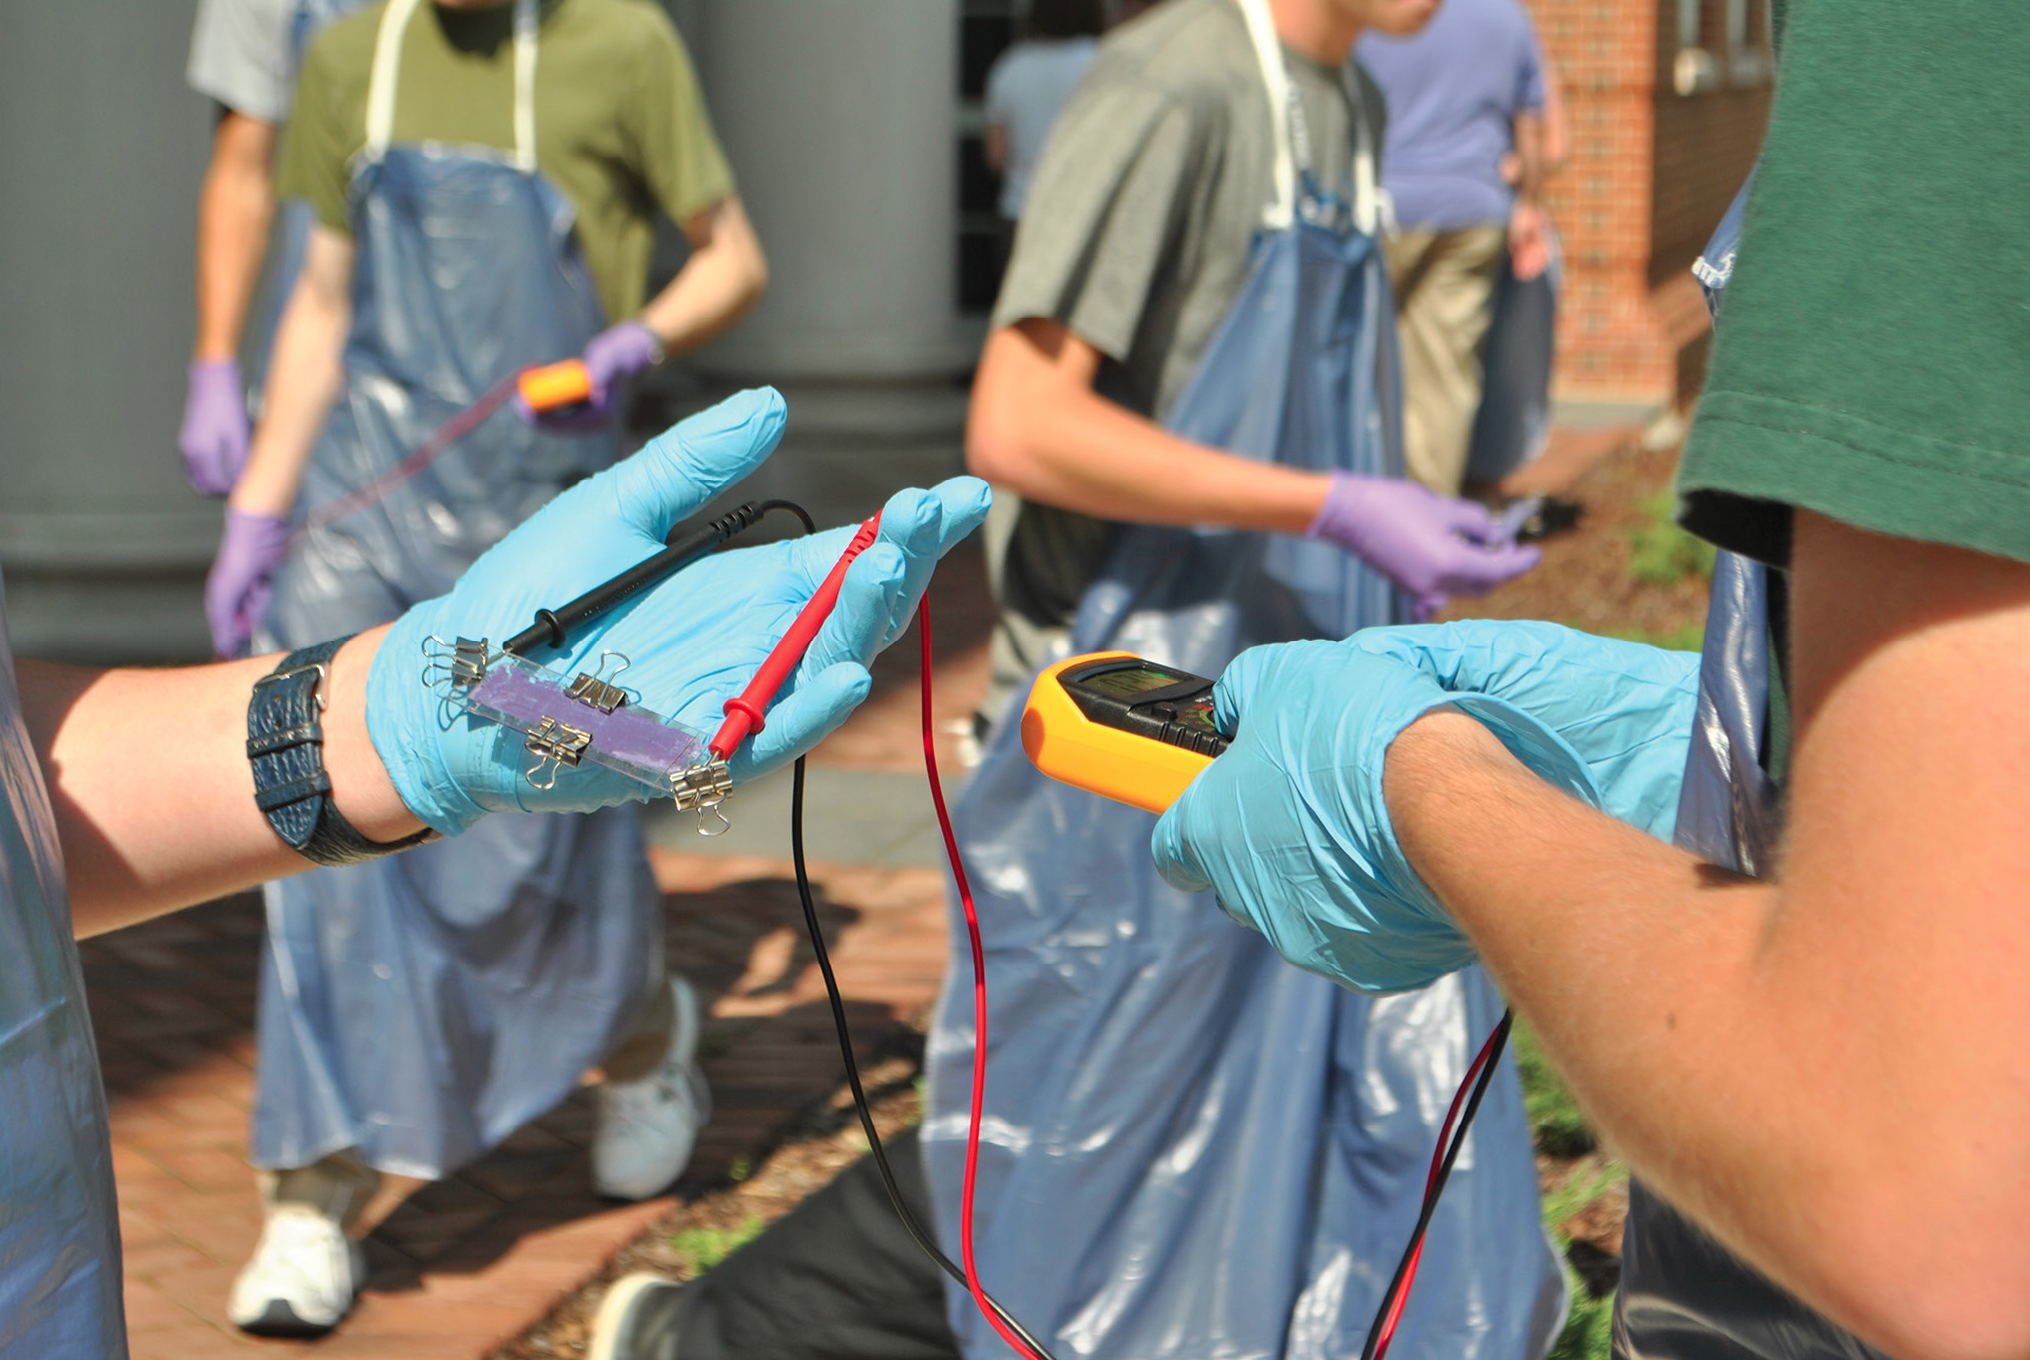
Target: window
1748,56
1693,68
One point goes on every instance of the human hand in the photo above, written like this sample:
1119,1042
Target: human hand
612,356
693,642
1529,241
1289,826
213,437
1624,707
1431,546
242,578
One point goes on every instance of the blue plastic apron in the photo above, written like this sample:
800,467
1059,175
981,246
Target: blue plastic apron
1192,1149
1683,1295
59,1224
422,1007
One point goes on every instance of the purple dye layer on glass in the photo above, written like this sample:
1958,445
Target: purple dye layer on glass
632,740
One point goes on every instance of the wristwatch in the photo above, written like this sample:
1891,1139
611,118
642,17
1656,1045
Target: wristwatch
285,746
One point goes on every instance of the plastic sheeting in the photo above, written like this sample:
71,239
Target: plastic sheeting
1191,1148
421,1007
1683,1295
59,1225
1514,420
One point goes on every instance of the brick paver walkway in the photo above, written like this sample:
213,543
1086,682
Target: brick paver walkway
458,1267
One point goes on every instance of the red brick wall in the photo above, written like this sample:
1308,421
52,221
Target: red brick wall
1650,173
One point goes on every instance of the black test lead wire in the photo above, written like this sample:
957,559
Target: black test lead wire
860,1106
552,627
1390,1313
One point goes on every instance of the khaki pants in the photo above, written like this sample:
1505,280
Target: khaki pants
1444,282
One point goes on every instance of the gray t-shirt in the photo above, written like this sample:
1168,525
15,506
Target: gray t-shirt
1137,236
244,53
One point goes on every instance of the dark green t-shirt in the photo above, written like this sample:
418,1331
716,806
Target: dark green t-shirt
1873,362
621,126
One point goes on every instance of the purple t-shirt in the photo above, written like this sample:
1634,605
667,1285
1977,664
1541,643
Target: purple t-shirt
1454,91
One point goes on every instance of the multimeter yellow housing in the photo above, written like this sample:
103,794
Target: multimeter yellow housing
1121,727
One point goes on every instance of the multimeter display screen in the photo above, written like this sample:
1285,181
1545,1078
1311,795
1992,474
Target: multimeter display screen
1131,681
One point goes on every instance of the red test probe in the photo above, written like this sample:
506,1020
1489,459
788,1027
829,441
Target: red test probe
744,712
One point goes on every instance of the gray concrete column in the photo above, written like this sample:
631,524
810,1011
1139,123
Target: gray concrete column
838,117
101,148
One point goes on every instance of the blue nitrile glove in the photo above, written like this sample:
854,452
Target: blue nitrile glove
1290,828
1626,708
694,641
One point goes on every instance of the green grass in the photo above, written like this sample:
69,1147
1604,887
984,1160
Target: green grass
700,1249
1555,1119
1660,553
1589,1330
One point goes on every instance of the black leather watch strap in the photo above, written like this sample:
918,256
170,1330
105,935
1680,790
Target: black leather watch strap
285,746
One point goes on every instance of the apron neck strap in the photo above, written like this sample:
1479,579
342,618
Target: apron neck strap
1282,210
387,72
1286,123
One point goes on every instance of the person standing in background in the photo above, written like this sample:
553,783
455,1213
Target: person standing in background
1190,391
485,177
1513,426
1026,86
243,56
1463,94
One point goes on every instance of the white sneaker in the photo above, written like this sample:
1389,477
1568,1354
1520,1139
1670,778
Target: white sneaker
302,1277
647,1128
637,1320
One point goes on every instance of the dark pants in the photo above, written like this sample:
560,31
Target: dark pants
838,1278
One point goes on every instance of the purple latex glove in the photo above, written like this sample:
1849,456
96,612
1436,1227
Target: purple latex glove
213,438
1433,547
616,353
242,579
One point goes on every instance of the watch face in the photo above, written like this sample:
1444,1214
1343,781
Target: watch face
1130,681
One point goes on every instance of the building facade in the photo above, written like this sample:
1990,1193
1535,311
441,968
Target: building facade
1667,101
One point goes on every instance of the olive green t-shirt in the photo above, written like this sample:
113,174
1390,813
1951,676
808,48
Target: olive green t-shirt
1873,360
621,126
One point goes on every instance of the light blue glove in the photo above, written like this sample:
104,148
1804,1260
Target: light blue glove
1345,903
1624,707
1290,828
694,641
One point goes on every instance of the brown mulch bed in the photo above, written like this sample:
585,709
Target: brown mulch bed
1584,579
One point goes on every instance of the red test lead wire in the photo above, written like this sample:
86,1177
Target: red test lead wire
944,822
744,713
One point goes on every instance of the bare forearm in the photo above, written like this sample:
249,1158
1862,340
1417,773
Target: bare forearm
1780,1094
1041,431
718,285
1629,956
235,205
304,378
154,798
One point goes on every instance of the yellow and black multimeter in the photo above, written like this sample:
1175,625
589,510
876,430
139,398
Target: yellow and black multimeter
1121,727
